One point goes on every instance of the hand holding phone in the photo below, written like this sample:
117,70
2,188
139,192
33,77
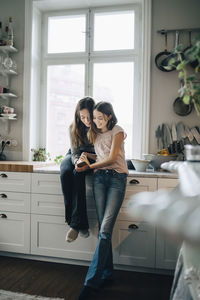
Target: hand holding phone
81,164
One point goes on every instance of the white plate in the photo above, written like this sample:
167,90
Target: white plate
8,115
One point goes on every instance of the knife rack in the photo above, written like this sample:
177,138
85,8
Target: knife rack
165,31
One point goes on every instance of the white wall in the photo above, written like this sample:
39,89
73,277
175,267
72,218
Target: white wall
164,86
170,14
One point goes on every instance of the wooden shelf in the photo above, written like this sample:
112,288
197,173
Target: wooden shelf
8,118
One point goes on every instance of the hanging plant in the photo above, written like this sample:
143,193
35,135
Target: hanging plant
190,89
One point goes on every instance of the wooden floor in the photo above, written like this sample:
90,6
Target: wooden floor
65,281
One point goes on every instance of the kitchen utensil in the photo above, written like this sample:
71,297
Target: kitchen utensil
180,138
158,137
161,55
196,134
189,134
175,56
187,55
140,165
168,138
180,108
174,138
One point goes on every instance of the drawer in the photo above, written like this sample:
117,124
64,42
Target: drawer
167,183
14,232
47,204
15,181
16,202
46,184
54,205
135,185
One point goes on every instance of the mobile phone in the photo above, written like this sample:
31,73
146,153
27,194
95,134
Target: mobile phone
81,164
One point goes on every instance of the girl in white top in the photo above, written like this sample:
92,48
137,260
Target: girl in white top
109,186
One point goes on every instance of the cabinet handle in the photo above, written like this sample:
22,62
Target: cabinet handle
3,196
133,226
3,175
134,181
3,216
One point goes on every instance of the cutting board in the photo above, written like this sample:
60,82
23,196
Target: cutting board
23,166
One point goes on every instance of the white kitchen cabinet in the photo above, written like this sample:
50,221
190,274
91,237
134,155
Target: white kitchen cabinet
48,228
14,201
15,181
166,249
14,232
135,185
48,239
167,183
133,241
134,244
15,212
46,184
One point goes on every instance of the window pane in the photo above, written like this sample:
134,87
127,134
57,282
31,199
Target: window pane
66,34
65,86
114,31
113,82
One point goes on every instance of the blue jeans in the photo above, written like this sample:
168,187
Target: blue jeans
109,189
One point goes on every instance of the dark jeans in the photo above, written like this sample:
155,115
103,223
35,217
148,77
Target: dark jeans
74,191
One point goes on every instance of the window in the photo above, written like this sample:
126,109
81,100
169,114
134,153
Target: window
89,52
102,52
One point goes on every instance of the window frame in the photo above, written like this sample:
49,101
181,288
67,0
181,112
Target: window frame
142,99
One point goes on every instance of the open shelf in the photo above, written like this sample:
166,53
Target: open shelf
8,49
7,95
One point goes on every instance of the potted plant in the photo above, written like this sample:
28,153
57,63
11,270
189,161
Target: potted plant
40,154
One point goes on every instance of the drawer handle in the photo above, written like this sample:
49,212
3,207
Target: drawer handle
3,216
134,181
3,196
3,175
133,226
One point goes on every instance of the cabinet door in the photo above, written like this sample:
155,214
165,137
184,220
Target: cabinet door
48,239
46,183
167,183
134,244
15,181
135,185
14,232
14,202
166,251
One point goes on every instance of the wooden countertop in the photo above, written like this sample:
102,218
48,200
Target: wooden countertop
23,166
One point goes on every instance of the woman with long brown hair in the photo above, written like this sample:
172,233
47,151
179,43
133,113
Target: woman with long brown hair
72,174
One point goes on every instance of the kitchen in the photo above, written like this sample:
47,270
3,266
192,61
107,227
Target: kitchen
170,14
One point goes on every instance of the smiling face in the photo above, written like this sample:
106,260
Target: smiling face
85,117
100,120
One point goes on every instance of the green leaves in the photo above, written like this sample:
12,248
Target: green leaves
190,89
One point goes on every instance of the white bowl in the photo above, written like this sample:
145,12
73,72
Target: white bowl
140,165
